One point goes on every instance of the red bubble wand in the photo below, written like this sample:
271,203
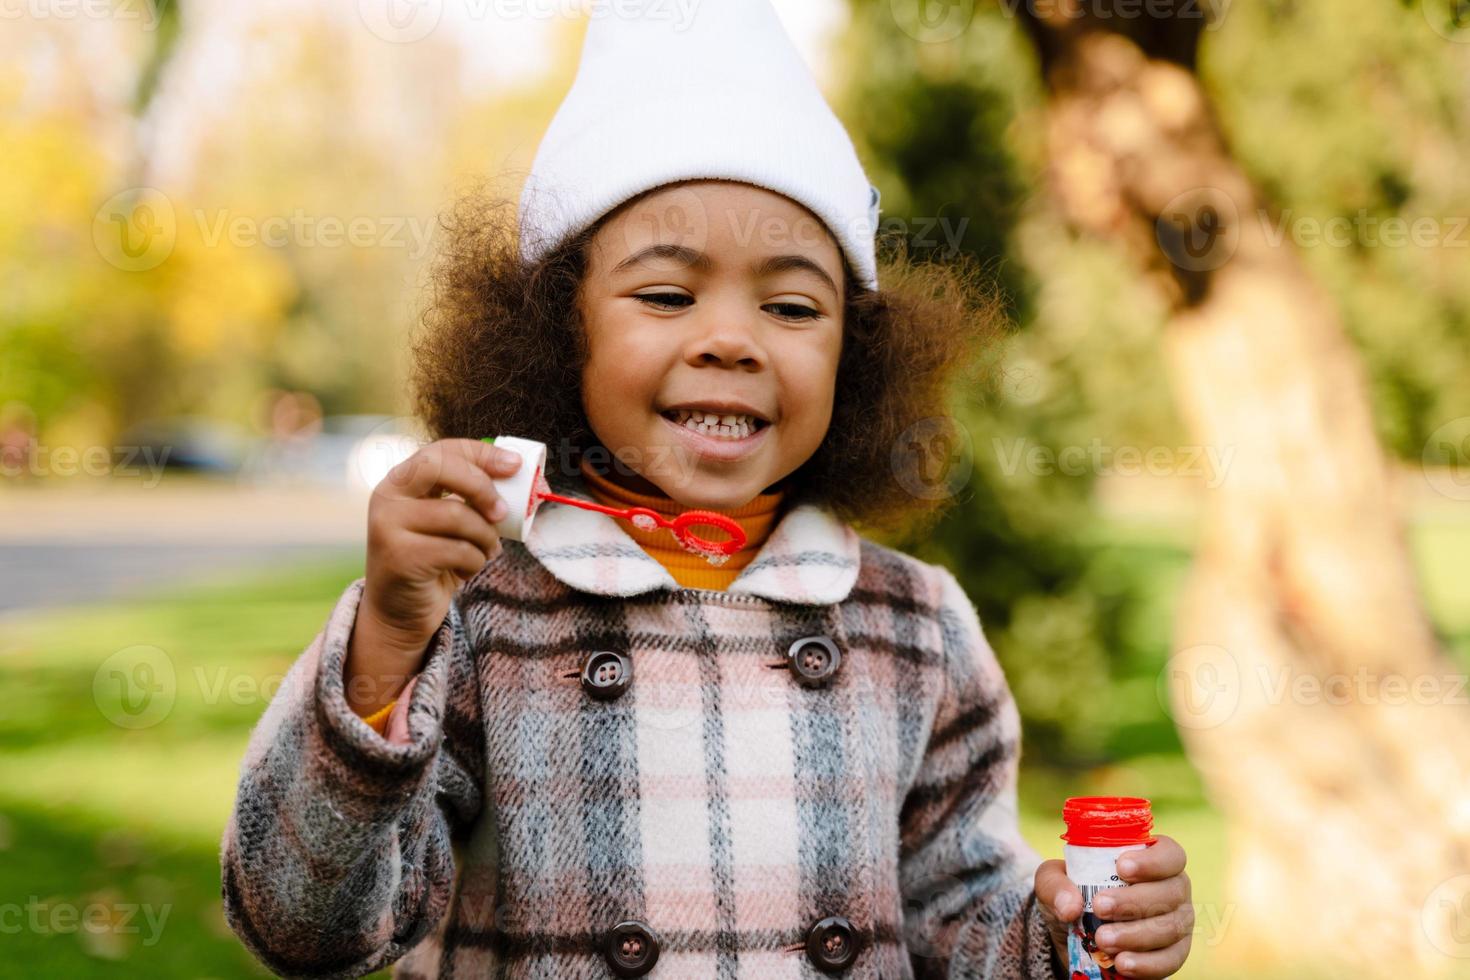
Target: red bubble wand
715,552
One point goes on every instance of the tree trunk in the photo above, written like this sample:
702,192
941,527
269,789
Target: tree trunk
1307,683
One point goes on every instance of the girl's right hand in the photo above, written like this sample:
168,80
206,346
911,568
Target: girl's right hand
421,546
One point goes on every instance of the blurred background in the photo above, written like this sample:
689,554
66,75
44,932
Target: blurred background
1215,511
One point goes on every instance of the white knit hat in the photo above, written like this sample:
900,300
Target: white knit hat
718,91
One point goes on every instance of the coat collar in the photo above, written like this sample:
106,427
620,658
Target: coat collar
810,556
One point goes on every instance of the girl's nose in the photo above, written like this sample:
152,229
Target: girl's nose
726,343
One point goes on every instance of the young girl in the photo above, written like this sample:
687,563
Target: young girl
592,754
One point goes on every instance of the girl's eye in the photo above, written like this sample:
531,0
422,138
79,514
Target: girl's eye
662,299
787,311
795,311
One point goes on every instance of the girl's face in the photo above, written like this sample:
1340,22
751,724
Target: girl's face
712,295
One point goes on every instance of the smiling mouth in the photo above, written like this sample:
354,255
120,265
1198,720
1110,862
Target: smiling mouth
720,426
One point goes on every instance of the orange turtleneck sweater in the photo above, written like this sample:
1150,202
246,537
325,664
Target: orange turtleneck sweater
758,518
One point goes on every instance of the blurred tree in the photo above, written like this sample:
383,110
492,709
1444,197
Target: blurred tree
118,306
1302,572
937,124
1303,577
1352,121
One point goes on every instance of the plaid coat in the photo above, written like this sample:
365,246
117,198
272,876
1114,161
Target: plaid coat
727,815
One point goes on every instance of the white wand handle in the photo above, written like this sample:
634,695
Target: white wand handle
519,489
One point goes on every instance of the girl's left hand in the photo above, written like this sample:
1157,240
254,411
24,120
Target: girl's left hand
1150,921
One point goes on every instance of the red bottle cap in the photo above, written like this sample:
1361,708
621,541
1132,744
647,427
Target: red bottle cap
1108,821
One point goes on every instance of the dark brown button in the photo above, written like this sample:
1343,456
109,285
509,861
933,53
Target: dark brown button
631,948
831,944
606,674
813,659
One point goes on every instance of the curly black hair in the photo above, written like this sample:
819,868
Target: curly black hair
500,349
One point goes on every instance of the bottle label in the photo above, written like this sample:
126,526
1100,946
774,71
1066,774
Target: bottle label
1092,869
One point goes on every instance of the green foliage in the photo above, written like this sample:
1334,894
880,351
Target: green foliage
1356,113
1330,112
942,125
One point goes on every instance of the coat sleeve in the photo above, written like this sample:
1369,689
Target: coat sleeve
965,871
338,857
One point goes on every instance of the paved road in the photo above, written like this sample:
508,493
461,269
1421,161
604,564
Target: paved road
78,543
34,576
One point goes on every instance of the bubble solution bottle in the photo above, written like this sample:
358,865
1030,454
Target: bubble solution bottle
1099,829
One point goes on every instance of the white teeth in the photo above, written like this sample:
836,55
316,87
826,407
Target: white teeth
709,423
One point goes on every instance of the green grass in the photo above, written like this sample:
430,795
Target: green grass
98,816
65,870
95,815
